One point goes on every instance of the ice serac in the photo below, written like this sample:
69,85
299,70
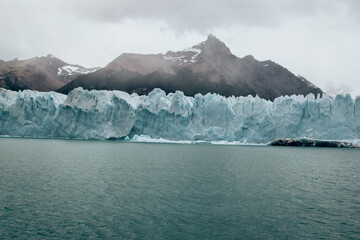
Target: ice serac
96,114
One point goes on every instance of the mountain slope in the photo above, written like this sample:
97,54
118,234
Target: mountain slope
206,67
40,73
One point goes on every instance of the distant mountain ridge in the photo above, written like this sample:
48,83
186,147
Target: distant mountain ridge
206,67
39,73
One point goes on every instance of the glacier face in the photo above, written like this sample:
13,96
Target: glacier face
95,114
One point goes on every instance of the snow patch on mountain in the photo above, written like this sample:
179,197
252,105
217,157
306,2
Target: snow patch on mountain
188,55
193,57
69,70
173,59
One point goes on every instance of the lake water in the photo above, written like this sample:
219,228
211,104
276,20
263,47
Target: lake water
64,189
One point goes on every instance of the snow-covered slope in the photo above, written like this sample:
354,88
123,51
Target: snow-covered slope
68,71
187,56
115,114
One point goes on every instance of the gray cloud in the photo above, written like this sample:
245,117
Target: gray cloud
202,15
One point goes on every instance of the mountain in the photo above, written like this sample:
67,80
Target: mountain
40,73
1,62
207,67
340,89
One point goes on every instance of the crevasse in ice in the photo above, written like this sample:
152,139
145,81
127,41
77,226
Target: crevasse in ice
95,114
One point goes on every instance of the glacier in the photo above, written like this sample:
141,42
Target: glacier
94,114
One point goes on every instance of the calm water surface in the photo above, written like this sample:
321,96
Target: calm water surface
62,189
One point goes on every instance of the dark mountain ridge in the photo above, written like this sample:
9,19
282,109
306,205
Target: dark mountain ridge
39,73
207,67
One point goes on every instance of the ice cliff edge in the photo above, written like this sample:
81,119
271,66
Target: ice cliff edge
96,114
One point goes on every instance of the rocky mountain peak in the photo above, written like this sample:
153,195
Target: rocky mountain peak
211,39
213,46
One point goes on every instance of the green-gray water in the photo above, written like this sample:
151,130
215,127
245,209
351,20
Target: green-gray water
62,189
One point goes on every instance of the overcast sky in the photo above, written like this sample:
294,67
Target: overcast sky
318,39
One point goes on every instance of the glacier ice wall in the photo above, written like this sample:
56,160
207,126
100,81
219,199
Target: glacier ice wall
114,114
